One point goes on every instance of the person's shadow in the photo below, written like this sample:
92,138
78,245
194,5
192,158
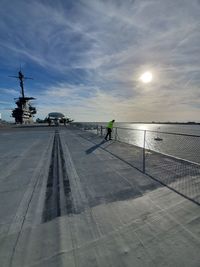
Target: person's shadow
91,149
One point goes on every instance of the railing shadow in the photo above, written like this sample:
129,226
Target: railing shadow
93,148
174,182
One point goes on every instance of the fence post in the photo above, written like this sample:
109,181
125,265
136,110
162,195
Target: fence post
115,133
144,158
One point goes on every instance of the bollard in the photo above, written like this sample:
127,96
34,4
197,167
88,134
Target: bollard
101,131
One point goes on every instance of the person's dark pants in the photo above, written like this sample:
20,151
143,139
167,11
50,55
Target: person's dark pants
109,131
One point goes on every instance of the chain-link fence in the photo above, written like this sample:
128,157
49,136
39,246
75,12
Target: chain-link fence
171,158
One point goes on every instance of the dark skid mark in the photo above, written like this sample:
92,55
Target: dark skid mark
66,184
57,180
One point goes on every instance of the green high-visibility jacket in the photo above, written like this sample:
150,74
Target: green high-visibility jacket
110,124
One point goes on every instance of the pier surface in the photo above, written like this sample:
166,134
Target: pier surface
68,199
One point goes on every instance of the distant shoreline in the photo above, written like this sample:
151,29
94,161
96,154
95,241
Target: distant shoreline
143,122
180,123
8,123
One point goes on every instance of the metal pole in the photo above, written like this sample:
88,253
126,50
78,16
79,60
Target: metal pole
115,133
144,163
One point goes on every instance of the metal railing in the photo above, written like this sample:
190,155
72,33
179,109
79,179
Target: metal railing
173,159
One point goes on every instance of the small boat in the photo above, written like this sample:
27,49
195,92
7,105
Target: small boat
157,138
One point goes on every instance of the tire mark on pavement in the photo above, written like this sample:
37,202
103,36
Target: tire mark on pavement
58,201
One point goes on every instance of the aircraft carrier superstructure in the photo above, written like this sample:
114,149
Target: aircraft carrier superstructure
24,111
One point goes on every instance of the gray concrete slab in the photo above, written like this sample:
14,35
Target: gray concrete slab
108,213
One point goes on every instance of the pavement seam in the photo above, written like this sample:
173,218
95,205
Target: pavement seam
26,211
90,218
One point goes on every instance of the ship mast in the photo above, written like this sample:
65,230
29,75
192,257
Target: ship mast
24,111
21,78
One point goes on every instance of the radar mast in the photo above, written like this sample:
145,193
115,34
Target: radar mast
24,111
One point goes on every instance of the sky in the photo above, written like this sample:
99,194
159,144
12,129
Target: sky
86,58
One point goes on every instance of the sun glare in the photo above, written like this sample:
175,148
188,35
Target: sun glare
146,77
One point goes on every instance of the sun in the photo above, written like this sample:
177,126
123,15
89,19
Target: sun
146,77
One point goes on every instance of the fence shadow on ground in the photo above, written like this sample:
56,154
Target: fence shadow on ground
178,175
93,148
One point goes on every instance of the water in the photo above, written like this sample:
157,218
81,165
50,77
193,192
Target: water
172,128
174,140
174,160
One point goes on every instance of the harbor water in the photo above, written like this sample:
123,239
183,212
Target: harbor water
181,141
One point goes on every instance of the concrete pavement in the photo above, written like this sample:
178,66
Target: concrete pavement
67,200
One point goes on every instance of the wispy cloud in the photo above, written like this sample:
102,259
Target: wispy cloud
148,104
8,91
94,52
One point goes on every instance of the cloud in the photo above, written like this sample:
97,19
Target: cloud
101,105
94,51
8,91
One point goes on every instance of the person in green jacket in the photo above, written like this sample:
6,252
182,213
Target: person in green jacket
109,129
